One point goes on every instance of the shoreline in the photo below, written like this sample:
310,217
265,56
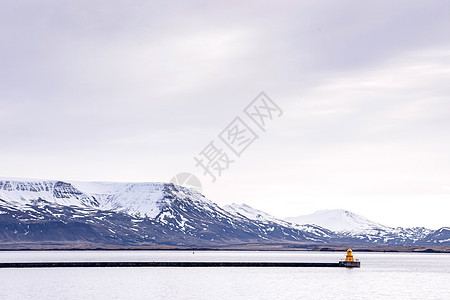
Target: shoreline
281,248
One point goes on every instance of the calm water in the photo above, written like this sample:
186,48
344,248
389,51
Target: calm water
382,275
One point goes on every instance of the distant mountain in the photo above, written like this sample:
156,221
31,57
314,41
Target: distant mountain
48,213
338,220
438,237
246,211
350,225
86,213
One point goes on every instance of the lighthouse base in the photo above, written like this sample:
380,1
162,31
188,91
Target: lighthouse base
350,264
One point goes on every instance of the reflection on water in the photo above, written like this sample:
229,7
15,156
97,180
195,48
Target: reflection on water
382,275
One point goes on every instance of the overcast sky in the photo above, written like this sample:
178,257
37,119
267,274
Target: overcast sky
133,90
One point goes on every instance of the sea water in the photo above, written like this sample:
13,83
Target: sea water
381,276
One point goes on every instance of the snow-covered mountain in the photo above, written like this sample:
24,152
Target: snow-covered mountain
349,224
338,220
438,237
129,214
61,213
244,210
140,199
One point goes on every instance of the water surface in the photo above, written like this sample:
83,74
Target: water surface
382,275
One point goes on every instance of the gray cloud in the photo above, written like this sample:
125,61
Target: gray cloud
131,91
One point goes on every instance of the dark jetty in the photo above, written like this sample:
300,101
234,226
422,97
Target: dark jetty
174,264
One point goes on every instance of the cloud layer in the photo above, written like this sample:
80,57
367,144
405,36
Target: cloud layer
132,91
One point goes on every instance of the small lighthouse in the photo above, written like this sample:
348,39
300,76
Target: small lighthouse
349,256
349,261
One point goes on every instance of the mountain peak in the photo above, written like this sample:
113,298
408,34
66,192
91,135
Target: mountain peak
141,198
338,220
249,212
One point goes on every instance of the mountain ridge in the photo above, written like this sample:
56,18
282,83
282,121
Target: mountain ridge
129,214
338,220
147,214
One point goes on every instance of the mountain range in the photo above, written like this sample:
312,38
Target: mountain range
55,214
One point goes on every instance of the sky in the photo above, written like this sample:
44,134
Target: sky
134,90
